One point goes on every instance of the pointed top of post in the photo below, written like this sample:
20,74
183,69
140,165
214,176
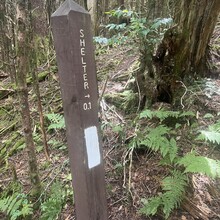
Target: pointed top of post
67,6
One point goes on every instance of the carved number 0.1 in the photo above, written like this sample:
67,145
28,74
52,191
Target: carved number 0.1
87,106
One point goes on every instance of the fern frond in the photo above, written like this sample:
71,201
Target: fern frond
147,114
173,149
15,206
211,136
157,141
6,202
187,114
57,121
162,114
151,206
174,190
215,127
158,22
52,207
200,164
27,208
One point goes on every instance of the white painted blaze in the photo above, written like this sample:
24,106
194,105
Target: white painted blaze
92,146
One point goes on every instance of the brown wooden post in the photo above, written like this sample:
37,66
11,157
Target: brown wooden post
71,26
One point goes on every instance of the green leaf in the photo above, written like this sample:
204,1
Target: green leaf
156,140
188,113
150,207
208,115
15,215
161,114
215,127
57,121
15,206
173,149
52,207
173,188
200,164
146,114
117,128
146,32
27,209
159,22
212,136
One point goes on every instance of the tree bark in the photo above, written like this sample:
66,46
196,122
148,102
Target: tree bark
92,7
196,22
22,70
85,5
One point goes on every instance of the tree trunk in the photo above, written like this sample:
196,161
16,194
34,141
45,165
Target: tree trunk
196,23
22,70
183,52
85,5
6,40
92,7
33,69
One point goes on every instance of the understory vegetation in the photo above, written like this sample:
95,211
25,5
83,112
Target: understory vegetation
158,156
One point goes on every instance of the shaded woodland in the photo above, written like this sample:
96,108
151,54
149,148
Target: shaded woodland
158,66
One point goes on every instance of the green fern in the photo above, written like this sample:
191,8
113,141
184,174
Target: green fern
157,141
151,206
174,190
200,164
212,134
162,114
57,121
215,127
52,207
15,206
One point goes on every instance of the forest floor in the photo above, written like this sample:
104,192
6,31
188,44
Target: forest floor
130,176
130,182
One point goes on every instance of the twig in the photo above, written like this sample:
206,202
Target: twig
69,217
109,152
5,180
119,200
139,97
115,112
186,90
124,165
3,130
103,90
48,185
129,153
130,171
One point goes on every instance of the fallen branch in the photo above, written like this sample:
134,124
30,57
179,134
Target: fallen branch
198,212
4,93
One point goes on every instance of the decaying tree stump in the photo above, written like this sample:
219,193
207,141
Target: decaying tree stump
182,55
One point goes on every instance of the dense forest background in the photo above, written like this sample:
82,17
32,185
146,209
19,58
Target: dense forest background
158,67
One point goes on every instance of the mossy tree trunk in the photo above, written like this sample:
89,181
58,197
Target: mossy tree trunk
33,70
22,70
182,54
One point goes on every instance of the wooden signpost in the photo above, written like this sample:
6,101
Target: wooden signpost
71,26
